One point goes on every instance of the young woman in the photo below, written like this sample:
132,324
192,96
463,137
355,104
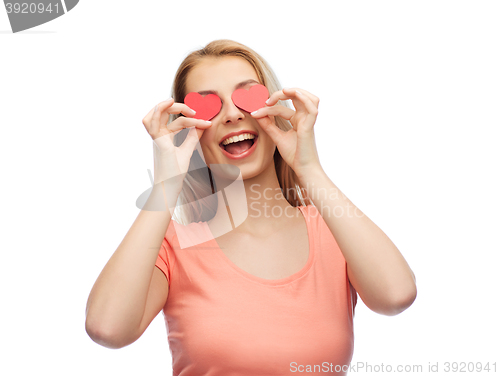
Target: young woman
274,293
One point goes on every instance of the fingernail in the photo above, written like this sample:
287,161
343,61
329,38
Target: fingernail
208,122
253,113
156,107
194,112
298,92
267,102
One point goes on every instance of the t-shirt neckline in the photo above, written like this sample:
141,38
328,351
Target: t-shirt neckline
264,281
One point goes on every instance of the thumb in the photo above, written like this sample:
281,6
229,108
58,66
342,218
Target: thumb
271,129
191,140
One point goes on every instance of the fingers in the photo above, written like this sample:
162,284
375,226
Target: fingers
278,110
191,140
302,99
155,114
184,122
274,97
271,129
178,108
158,117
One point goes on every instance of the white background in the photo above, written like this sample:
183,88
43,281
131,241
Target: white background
408,130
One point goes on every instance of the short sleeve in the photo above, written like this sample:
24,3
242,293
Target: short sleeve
163,262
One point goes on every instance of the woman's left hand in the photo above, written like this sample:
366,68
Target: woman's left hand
297,146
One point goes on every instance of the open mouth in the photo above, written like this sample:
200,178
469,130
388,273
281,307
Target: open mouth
238,145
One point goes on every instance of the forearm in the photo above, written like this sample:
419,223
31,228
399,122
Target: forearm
117,300
376,268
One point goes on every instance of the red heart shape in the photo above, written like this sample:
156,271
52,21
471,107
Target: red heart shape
206,107
251,100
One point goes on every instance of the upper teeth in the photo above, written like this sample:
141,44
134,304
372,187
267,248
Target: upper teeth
240,137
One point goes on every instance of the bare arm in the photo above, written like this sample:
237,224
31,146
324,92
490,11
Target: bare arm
376,268
130,291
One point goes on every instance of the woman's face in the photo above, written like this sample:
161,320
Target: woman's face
222,76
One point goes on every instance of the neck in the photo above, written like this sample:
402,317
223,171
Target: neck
261,207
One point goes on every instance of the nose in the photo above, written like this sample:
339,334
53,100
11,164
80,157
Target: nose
230,113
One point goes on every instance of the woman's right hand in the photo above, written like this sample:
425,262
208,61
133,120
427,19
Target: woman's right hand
171,161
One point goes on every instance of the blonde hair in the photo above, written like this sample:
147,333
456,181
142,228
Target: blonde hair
196,201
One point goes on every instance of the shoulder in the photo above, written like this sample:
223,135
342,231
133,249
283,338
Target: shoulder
311,214
185,236
316,222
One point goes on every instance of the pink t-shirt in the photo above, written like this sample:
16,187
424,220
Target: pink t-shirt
224,321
